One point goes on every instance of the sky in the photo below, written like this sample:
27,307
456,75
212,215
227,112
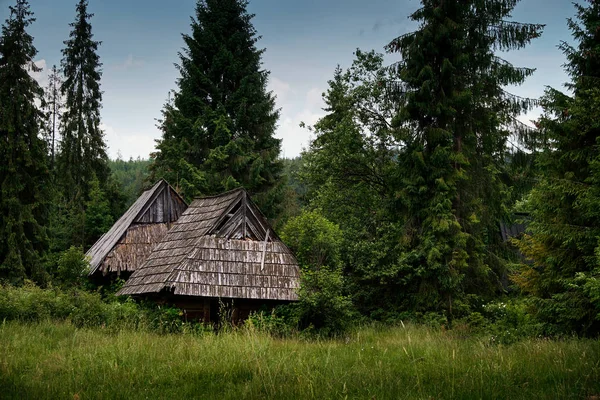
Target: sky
304,41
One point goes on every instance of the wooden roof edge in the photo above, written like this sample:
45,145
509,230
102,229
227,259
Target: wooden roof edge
239,189
225,211
155,193
108,240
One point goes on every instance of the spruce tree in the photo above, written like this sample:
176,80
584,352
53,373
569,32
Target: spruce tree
454,129
82,156
53,110
82,149
562,243
218,130
23,171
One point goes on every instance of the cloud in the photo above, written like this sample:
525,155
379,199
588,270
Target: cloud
295,138
129,63
41,76
281,89
314,99
128,144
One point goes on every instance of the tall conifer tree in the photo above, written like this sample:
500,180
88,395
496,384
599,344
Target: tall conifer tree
23,171
82,149
454,128
53,110
82,156
563,241
218,131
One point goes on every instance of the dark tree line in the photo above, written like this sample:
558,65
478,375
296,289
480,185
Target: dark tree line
55,178
420,162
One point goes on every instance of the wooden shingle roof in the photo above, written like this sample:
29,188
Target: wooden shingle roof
149,208
222,246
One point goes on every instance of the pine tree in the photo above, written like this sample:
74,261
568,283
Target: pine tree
563,278
218,130
454,128
82,149
23,171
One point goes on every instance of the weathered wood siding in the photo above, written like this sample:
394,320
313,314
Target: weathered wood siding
133,249
165,206
158,205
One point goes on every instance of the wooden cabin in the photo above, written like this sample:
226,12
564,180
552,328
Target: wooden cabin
221,249
127,244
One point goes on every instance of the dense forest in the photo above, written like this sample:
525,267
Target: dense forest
396,209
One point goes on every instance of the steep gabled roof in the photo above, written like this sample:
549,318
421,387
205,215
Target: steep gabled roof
516,228
222,246
139,212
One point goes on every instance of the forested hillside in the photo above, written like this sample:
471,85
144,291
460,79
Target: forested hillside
132,176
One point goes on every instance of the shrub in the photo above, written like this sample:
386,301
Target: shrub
315,240
280,322
73,267
509,321
322,303
85,309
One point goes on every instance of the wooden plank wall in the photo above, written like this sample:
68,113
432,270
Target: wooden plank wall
133,249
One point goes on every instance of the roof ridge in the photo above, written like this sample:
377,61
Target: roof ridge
241,188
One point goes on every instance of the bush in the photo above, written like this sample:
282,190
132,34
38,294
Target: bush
280,322
73,267
315,240
508,321
322,304
85,309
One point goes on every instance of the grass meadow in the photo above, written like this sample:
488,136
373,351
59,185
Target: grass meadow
57,360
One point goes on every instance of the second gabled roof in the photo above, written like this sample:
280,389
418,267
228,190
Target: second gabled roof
137,211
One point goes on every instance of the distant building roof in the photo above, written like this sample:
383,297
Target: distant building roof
222,246
153,206
515,229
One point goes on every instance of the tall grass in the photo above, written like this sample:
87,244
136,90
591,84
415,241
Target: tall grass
58,360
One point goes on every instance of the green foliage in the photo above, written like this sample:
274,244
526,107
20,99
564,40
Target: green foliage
507,321
98,218
82,152
351,178
30,303
131,176
73,267
322,304
52,114
562,240
293,193
281,322
81,172
24,176
452,126
218,130
314,240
